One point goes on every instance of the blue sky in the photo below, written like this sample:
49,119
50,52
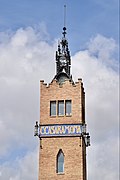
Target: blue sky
29,33
84,18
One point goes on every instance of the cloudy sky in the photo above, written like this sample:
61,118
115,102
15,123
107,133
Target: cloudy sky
29,32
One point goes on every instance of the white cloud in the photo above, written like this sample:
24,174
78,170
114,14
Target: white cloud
25,58
101,87
104,49
24,61
21,168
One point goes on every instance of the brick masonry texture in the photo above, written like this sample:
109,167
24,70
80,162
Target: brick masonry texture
73,147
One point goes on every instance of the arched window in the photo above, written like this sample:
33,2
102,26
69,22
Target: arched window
60,162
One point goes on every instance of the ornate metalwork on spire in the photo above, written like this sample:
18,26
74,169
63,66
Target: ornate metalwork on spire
63,60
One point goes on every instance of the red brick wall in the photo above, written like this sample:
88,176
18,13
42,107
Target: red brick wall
72,147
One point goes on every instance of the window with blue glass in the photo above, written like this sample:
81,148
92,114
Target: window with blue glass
52,108
68,108
60,108
60,162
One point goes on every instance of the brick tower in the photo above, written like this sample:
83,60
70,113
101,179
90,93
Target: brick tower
62,128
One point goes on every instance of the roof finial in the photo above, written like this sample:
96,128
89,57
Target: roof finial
63,59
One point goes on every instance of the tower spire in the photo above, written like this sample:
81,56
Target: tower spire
63,59
64,28
64,15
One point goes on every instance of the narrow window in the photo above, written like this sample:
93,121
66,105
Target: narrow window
52,108
68,107
60,108
60,162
